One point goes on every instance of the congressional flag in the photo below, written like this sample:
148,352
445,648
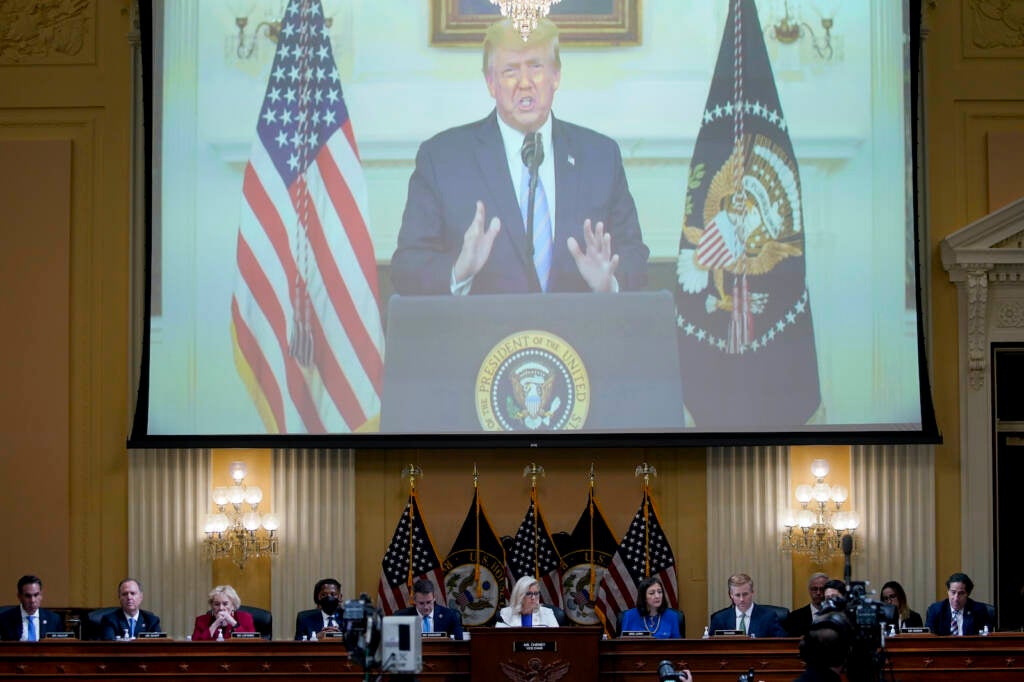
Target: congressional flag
305,319
475,580
410,557
588,553
532,552
643,552
746,337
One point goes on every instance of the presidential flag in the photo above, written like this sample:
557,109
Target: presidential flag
305,319
746,337
475,580
643,552
532,552
588,553
409,557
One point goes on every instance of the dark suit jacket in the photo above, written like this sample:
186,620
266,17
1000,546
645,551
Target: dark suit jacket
201,631
763,623
459,166
975,617
10,624
798,622
308,623
445,619
115,624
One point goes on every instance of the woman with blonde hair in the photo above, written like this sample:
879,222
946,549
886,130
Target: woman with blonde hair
524,609
223,618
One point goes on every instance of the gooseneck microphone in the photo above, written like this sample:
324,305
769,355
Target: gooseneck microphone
532,154
847,543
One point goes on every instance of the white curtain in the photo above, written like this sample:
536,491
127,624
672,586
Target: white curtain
314,492
167,494
747,495
893,489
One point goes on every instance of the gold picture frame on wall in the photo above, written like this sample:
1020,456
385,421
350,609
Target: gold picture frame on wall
583,22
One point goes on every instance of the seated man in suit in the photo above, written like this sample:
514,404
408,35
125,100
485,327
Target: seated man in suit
28,622
435,617
744,614
130,620
315,623
798,622
958,614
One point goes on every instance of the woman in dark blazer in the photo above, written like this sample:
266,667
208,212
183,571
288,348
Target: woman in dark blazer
893,593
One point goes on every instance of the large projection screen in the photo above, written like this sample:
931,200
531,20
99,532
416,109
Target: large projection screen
770,163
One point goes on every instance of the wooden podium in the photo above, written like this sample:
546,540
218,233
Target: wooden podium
534,654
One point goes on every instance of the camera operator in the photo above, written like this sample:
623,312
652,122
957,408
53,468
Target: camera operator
825,649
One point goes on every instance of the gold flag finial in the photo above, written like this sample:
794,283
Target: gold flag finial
534,471
646,470
412,472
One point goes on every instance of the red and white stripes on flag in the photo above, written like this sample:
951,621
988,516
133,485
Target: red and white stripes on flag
410,556
643,552
305,316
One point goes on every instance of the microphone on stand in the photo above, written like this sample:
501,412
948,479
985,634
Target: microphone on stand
847,543
533,155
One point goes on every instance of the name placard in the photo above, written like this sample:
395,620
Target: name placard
526,646
151,635
245,635
730,633
915,631
435,635
634,633
59,635
333,635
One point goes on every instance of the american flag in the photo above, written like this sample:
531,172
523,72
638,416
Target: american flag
532,552
644,551
409,557
305,318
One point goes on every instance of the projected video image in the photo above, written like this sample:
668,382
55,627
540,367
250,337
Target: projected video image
395,219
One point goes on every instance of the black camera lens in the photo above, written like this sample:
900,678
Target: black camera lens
666,672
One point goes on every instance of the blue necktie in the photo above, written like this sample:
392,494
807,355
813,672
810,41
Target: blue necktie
30,630
131,627
542,229
426,623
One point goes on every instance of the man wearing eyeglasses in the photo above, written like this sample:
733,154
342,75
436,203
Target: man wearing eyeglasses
524,609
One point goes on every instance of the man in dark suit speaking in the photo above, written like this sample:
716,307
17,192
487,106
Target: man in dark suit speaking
130,620
958,614
435,618
27,622
467,227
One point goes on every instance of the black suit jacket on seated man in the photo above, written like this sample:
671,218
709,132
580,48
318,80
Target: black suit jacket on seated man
444,619
309,623
10,624
763,622
115,624
459,166
974,614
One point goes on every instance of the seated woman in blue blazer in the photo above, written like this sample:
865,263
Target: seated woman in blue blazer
652,614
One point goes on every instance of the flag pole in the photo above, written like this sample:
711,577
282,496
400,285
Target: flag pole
412,472
646,470
534,470
590,511
476,511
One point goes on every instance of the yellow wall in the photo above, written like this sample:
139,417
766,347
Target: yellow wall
73,87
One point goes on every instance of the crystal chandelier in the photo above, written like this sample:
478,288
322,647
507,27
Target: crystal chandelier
234,532
524,13
817,529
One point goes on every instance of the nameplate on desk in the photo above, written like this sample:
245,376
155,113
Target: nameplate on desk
526,646
435,635
245,635
634,633
915,631
730,633
59,635
333,635
151,635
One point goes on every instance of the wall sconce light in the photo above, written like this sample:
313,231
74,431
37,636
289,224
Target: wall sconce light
821,528
237,533
789,28
245,43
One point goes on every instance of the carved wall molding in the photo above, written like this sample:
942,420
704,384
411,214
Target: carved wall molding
994,25
977,332
1010,314
1014,242
47,32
